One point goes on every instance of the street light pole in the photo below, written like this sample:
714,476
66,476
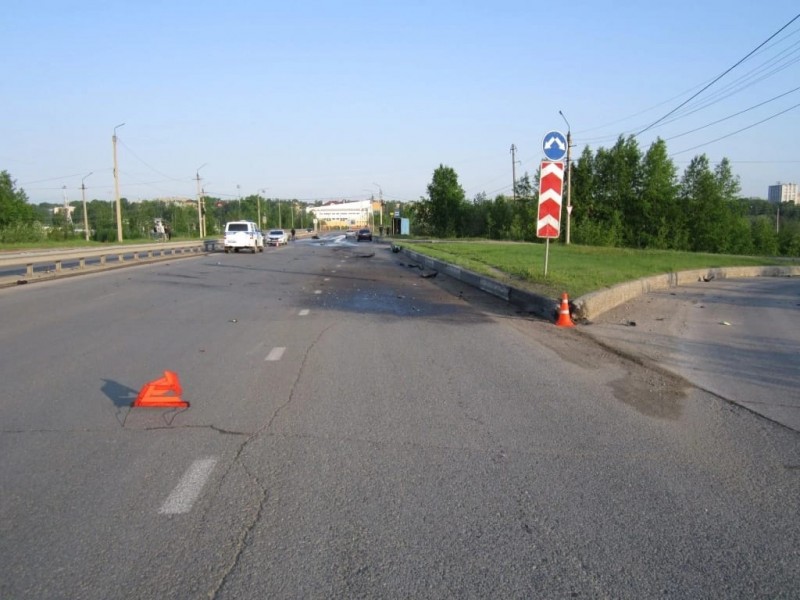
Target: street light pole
266,208
116,183
514,171
85,214
239,196
380,192
201,218
569,174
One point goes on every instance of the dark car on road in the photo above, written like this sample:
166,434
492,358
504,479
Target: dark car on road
364,234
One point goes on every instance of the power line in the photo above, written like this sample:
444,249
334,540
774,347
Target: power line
713,81
737,131
741,112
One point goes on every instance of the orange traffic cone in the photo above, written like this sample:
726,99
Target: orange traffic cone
564,318
156,394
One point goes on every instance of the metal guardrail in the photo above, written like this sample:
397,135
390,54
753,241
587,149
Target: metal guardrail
47,264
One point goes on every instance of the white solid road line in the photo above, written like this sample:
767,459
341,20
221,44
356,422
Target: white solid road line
188,489
275,354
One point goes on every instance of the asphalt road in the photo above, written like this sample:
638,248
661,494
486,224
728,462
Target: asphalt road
357,429
739,339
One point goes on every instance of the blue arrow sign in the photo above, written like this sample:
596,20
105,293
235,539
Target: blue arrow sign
554,145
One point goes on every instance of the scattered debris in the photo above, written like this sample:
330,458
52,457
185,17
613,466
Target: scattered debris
429,274
630,323
724,323
24,281
233,321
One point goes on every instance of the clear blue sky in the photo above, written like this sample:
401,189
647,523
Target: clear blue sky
329,100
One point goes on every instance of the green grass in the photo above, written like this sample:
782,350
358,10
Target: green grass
575,269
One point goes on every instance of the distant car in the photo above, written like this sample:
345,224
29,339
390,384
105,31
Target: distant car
350,233
276,237
364,234
243,234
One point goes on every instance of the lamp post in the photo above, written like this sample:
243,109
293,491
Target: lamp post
201,218
239,196
380,191
85,214
266,206
569,173
116,183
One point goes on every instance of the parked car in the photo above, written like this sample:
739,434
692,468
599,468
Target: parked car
243,234
276,237
364,234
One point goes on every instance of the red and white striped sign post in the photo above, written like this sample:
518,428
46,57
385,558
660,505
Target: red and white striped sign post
551,186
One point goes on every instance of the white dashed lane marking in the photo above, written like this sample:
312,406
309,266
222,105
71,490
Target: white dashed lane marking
189,487
317,291
275,354
303,312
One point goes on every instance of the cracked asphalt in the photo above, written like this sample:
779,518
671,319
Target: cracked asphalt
374,433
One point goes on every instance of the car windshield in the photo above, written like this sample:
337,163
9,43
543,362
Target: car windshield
237,227
276,232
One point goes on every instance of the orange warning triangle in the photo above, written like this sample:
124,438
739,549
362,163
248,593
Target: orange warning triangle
164,392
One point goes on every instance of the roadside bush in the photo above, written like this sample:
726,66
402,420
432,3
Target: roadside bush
22,232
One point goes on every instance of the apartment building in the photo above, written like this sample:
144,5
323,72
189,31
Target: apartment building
782,192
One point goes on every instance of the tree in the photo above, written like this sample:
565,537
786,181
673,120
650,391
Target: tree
663,222
441,213
709,215
14,207
727,182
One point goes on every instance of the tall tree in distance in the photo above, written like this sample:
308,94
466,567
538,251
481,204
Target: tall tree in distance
446,198
709,215
663,223
14,207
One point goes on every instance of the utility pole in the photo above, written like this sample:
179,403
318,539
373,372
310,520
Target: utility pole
380,192
514,170
239,196
569,173
266,207
116,183
85,214
201,218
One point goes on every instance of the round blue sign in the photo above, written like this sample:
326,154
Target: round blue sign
554,145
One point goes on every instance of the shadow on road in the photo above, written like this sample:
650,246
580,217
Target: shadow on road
120,395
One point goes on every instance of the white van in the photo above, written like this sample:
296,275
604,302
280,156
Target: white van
243,234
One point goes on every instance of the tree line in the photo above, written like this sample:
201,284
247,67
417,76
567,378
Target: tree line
21,221
624,197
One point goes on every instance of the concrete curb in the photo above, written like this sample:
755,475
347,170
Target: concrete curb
592,305
541,306
595,303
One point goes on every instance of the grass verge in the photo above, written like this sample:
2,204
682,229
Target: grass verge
575,269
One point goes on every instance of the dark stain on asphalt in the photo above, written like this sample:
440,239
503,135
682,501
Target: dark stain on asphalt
653,394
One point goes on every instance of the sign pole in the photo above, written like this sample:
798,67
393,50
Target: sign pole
551,189
546,254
